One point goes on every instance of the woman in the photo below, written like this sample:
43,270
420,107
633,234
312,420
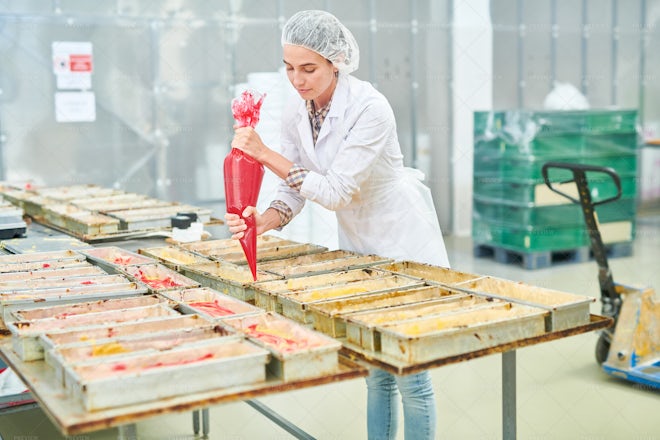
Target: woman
340,149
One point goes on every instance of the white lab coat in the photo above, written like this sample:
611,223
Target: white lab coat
356,170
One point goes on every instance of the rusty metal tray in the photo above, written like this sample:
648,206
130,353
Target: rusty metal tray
80,308
25,334
79,221
76,271
464,331
113,258
108,203
267,253
322,262
208,247
215,363
429,272
330,317
18,286
154,218
35,244
228,278
210,303
102,331
46,264
173,257
295,305
567,310
266,292
106,350
297,352
363,328
39,257
159,278
69,192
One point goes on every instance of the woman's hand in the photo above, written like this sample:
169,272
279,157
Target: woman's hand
237,224
247,140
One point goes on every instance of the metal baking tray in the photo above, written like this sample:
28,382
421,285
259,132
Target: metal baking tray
363,328
25,334
429,272
295,305
330,317
7,287
40,256
210,303
79,221
208,247
266,292
45,264
173,257
30,202
159,278
113,258
35,244
228,278
67,272
465,331
65,193
154,218
108,202
321,262
61,356
217,363
80,308
42,297
103,331
267,253
297,352
567,310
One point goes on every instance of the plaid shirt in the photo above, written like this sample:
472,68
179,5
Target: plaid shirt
316,117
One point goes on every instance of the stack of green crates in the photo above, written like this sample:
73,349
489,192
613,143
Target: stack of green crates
512,207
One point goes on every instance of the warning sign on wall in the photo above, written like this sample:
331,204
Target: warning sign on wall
72,64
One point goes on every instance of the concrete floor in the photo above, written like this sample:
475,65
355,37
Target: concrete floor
561,392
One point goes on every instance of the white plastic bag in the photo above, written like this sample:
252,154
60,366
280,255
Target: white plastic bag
565,96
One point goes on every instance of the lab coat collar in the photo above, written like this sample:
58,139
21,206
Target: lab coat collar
337,108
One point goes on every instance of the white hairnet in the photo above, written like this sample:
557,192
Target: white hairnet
323,33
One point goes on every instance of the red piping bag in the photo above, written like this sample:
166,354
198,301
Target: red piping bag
243,175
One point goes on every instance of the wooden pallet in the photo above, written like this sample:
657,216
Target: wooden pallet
542,259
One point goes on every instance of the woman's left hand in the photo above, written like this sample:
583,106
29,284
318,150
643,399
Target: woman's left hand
247,140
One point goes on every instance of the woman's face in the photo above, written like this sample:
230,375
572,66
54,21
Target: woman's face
310,74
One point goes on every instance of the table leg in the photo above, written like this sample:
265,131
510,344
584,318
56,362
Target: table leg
195,415
279,420
127,432
509,395
205,422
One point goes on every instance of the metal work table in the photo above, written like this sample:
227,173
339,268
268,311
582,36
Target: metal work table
69,416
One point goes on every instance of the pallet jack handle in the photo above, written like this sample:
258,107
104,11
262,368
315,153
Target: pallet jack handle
609,297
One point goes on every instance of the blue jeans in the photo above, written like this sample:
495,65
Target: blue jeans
382,405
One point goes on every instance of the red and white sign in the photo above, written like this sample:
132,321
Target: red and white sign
80,63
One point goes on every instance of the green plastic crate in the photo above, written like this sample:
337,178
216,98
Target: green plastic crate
529,167
507,213
565,145
550,123
526,191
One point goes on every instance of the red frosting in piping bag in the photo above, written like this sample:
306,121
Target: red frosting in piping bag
243,175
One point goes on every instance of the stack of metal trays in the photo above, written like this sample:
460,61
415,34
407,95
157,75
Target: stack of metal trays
297,352
79,221
210,303
11,221
136,219
32,280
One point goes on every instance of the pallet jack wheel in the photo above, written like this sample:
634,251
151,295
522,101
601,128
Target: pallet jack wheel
602,348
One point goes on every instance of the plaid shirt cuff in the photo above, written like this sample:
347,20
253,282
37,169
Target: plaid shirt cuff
283,210
296,177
